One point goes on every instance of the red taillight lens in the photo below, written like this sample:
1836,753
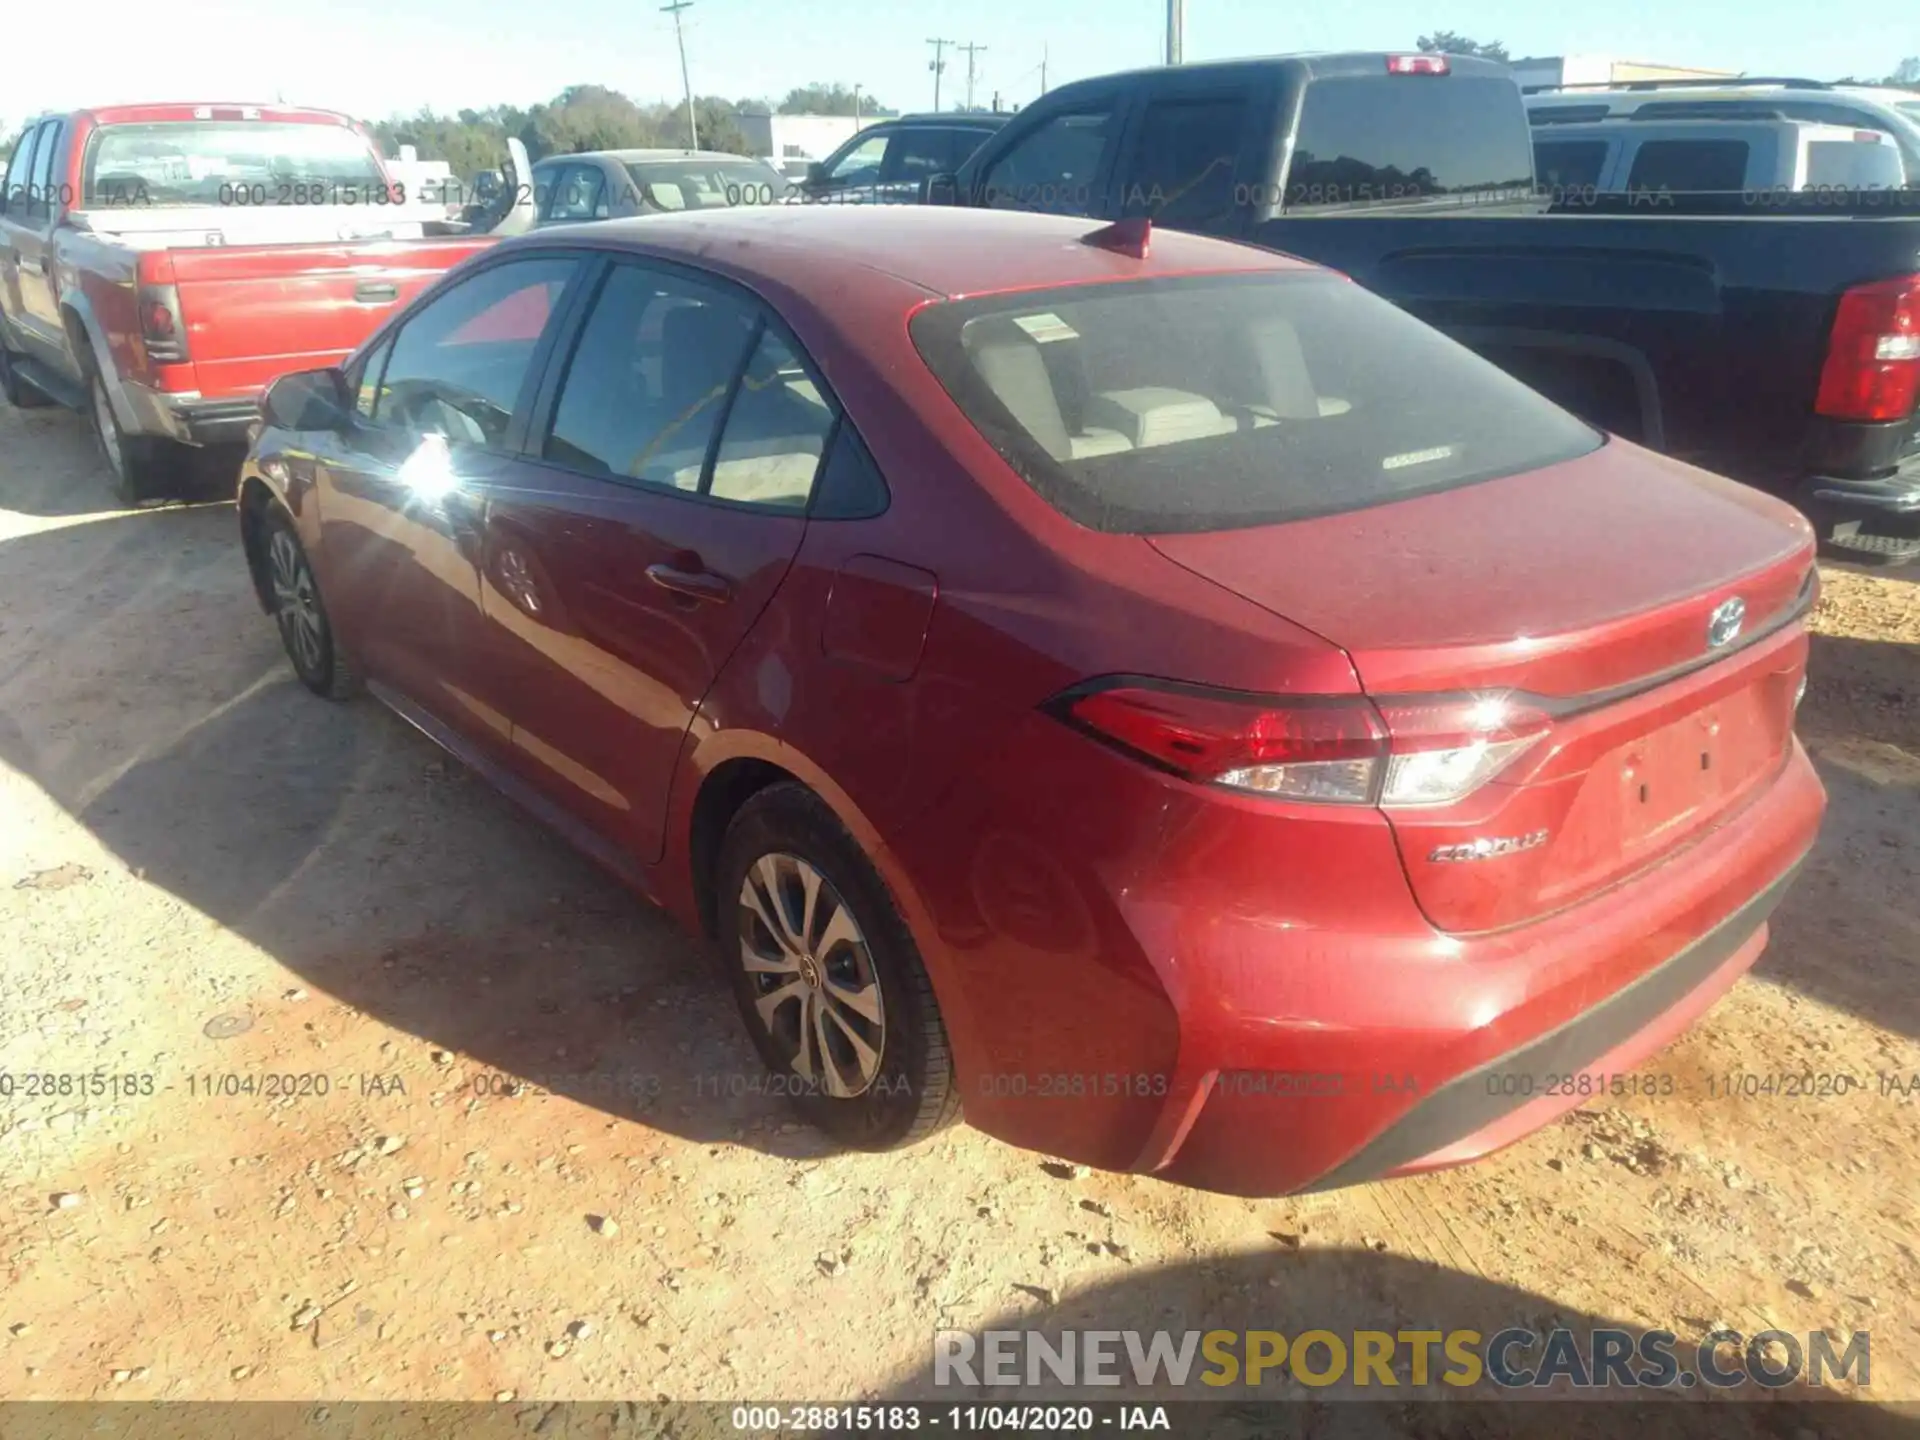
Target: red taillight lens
1873,356
1342,751
160,328
1305,752
1416,64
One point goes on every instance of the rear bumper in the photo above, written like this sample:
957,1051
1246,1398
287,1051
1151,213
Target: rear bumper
188,418
1507,1098
1244,997
1880,516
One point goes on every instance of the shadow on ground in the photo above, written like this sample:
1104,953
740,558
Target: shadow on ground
1294,1288
141,687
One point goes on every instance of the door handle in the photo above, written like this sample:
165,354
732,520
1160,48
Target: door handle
693,584
375,292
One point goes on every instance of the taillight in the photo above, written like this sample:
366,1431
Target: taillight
1417,65
161,330
1405,752
1873,355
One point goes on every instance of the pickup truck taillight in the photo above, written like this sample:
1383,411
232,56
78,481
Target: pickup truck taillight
161,328
1873,355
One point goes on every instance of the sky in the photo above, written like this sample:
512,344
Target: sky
377,59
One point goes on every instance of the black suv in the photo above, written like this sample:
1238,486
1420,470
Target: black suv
894,159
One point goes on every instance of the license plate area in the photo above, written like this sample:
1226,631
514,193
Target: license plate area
1691,767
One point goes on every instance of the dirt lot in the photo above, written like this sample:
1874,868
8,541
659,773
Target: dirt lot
206,872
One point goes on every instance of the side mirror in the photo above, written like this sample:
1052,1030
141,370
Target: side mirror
941,189
307,400
816,173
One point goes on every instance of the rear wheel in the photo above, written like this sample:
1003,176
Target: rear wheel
305,630
19,393
828,980
142,466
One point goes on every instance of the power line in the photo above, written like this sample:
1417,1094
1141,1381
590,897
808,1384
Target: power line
693,132
938,65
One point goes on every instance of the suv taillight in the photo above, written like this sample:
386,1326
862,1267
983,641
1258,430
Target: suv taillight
161,329
1406,751
1873,356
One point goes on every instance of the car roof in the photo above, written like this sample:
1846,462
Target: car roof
1717,94
626,157
163,112
815,251
1304,65
960,119
1692,124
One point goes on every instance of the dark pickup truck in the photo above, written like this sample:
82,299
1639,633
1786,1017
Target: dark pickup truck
1775,339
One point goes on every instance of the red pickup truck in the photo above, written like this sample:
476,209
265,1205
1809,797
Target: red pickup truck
159,264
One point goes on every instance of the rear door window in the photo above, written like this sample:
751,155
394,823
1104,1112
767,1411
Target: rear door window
1853,165
1184,161
44,199
580,193
1055,167
915,152
1696,166
1211,403
1563,165
1393,138
648,381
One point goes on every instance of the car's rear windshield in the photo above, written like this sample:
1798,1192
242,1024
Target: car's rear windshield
1389,139
1217,402
230,162
706,184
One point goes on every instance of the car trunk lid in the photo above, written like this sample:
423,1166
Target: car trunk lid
1602,589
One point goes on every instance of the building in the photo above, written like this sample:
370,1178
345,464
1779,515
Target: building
796,139
1544,72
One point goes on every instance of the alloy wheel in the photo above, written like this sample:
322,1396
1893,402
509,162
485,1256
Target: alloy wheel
816,991
296,603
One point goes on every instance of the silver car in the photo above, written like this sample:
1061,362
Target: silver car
615,184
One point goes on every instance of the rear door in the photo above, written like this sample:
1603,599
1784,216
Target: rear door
659,504
402,491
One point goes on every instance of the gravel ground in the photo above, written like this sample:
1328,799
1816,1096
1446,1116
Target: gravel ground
207,873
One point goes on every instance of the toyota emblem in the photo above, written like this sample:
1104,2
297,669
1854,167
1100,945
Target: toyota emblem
1725,622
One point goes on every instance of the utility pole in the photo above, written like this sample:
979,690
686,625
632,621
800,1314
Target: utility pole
1043,69
856,107
938,65
1176,22
971,50
693,132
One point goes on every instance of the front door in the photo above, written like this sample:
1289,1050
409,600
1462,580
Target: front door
403,490
662,499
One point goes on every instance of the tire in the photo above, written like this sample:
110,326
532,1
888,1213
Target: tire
19,393
142,466
300,613
782,836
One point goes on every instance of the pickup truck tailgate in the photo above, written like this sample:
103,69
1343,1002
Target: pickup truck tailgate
252,313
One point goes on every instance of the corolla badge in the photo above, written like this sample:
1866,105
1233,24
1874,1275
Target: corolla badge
1725,622
1489,847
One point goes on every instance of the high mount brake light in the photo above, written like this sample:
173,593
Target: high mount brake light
1404,752
1873,353
1417,65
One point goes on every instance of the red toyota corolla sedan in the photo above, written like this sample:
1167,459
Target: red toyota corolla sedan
1147,694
